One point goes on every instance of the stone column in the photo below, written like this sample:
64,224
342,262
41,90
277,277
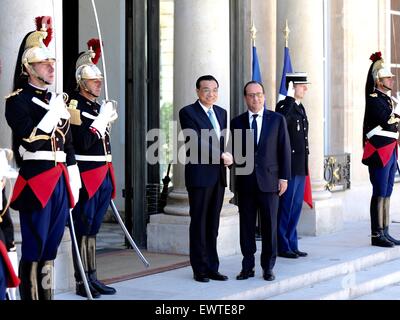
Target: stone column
201,46
263,14
18,21
306,43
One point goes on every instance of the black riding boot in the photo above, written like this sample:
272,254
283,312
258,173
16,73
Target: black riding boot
80,286
46,280
99,286
386,221
377,217
28,288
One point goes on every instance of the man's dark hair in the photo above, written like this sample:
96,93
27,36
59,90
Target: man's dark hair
252,82
205,78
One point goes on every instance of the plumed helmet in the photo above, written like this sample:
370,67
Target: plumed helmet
379,70
376,71
36,43
86,68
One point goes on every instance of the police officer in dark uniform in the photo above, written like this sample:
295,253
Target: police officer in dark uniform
380,134
48,183
91,135
290,203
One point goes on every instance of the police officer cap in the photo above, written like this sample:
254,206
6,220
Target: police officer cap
297,78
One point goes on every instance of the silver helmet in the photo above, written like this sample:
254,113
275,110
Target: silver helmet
86,68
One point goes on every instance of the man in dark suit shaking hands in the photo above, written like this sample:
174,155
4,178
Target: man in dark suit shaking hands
260,188
205,176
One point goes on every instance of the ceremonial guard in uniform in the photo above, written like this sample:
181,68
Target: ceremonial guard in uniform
380,134
8,251
91,134
48,183
291,202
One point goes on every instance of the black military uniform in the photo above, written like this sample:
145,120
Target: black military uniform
42,145
91,134
380,134
290,203
297,124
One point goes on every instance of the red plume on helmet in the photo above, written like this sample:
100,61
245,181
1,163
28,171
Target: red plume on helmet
45,21
376,56
95,45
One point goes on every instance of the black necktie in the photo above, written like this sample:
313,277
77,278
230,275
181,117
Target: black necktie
255,130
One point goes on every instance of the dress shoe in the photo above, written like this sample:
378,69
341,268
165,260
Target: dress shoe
244,275
217,276
300,253
201,277
81,291
268,275
288,254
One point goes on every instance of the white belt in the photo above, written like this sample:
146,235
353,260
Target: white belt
378,131
105,158
58,156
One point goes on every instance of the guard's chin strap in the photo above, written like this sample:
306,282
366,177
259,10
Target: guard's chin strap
87,90
35,74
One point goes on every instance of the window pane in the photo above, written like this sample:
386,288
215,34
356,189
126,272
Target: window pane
396,5
395,33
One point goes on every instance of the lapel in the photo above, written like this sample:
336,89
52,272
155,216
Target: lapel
265,128
205,122
300,109
218,115
245,120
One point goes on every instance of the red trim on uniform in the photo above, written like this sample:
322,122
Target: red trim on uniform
18,187
92,179
70,194
385,153
114,193
369,150
43,185
308,191
12,279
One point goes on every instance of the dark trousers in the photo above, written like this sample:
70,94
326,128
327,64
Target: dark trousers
205,208
290,205
42,230
382,179
267,204
88,215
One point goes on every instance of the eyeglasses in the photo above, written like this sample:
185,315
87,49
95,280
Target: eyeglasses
207,90
253,95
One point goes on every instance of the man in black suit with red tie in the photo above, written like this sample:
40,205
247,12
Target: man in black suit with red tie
205,176
260,187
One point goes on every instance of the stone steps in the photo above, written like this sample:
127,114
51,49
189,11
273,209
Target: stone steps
351,285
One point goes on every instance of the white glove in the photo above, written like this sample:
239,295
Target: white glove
12,255
397,108
56,112
74,181
290,90
105,115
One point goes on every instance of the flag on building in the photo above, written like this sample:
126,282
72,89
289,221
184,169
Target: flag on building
256,72
287,68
